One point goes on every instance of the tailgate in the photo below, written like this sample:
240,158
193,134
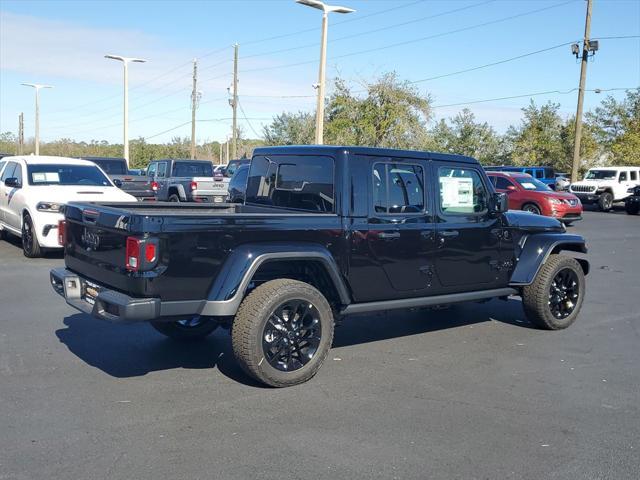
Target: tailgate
96,244
138,186
211,186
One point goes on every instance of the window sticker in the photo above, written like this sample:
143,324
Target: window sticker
457,192
528,185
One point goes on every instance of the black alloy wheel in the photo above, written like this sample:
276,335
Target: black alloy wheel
292,335
30,245
564,293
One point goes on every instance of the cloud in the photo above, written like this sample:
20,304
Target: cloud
49,48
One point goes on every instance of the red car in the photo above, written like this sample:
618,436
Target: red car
528,194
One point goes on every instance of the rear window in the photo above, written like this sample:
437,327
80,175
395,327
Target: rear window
295,182
59,174
193,169
112,166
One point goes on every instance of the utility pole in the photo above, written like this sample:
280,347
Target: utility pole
226,144
234,104
586,48
220,162
21,134
194,104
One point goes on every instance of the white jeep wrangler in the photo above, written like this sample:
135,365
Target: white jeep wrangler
605,185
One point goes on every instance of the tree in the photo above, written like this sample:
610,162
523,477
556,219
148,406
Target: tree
616,125
291,129
393,114
537,140
464,136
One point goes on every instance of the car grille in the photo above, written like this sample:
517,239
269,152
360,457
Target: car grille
583,188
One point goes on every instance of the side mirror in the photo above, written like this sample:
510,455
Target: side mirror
12,182
499,203
117,182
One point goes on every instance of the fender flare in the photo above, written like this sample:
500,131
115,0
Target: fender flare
536,250
180,188
231,282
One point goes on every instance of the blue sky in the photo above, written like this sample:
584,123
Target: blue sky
63,43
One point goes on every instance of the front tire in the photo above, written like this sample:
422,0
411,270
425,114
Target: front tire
605,202
631,209
554,299
195,328
282,332
30,246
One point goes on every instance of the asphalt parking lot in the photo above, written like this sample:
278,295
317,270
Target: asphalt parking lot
469,392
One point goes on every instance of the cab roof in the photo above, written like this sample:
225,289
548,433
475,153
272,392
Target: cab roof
337,151
48,160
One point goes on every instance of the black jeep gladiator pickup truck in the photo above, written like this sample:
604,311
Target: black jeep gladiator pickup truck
324,232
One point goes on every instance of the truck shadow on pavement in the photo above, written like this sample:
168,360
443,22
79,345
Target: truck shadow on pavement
125,351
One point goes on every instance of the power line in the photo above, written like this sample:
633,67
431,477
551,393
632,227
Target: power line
244,115
421,39
346,37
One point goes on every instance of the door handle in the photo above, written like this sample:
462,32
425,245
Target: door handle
449,233
389,235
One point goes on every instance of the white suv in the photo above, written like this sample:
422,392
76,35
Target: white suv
605,185
33,190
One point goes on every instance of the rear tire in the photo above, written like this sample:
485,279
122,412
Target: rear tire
554,299
30,246
187,330
282,332
605,202
632,209
531,207
174,198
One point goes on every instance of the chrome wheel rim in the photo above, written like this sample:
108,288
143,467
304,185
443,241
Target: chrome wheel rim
532,209
564,293
291,336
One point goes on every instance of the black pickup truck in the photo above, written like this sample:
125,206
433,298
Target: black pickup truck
324,232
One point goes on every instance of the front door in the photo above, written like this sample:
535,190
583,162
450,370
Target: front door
467,234
400,236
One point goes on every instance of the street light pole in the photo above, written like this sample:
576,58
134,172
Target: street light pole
326,9
125,61
37,87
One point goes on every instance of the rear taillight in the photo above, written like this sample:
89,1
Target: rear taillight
194,185
132,254
141,254
62,232
154,186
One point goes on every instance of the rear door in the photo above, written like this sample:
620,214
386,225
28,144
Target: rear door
400,238
161,179
467,234
5,192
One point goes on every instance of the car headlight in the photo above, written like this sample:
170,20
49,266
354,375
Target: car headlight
555,201
49,207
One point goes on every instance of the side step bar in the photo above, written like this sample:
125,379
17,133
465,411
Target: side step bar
427,301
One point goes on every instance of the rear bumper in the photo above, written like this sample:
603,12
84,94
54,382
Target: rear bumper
117,307
101,302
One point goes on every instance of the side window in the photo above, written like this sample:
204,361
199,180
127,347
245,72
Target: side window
623,177
18,173
528,171
398,188
1,165
634,175
296,182
162,169
8,171
151,170
539,173
502,183
462,191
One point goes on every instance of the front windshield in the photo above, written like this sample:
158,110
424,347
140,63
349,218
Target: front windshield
60,174
601,175
529,183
